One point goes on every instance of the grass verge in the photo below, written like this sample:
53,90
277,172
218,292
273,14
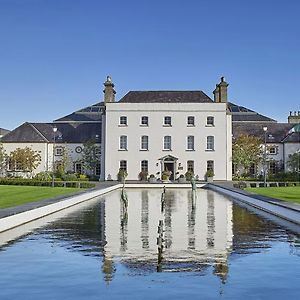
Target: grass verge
13,195
291,194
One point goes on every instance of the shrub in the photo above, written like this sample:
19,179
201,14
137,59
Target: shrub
143,175
189,175
69,177
209,173
43,176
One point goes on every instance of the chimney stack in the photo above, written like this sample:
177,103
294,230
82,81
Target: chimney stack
109,92
294,117
220,93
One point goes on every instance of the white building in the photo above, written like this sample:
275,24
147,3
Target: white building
178,131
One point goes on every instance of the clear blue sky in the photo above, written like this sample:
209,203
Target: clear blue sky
55,54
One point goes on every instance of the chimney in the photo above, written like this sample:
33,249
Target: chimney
216,93
294,117
109,92
220,93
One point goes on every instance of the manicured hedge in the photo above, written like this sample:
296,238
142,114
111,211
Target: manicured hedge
32,182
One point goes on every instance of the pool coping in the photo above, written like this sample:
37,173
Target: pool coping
19,215
280,208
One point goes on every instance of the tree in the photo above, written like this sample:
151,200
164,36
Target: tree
24,159
246,150
3,160
90,156
63,163
294,162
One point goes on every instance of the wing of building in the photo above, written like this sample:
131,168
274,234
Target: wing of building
154,132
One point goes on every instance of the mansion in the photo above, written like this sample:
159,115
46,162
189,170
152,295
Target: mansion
153,132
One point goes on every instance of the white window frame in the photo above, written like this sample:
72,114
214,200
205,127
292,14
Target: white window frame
167,121
209,123
168,143
190,121
123,121
144,142
190,143
210,143
145,121
144,166
123,143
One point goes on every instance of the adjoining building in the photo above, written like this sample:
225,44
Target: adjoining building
3,132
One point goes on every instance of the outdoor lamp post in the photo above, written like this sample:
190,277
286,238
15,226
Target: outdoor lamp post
265,129
53,154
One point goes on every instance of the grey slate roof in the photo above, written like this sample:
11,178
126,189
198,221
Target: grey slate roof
66,133
166,97
3,131
240,113
88,114
276,133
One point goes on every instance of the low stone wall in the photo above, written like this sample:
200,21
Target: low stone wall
33,214
291,214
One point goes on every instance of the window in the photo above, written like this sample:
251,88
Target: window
210,121
144,166
144,142
272,167
144,121
123,121
98,169
123,142
167,143
210,165
78,168
59,151
210,143
168,121
98,151
272,150
123,165
191,121
252,169
190,142
190,166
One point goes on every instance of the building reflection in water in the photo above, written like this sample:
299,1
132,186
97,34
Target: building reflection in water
196,235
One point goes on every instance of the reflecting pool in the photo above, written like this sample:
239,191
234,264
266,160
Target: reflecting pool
210,248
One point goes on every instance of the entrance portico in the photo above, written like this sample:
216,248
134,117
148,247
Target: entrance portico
169,163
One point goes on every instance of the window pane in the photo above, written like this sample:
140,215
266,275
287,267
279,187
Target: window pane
144,166
210,143
210,121
190,142
144,120
168,121
144,142
123,120
123,165
167,143
123,142
210,165
190,166
191,120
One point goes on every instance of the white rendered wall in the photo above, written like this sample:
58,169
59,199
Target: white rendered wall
179,132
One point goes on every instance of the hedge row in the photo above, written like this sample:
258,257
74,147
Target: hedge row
30,182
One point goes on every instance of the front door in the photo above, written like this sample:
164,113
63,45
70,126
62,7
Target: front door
169,166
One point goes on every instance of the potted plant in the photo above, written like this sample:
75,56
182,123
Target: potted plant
165,177
152,178
143,175
189,175
122,174
209,175
181,179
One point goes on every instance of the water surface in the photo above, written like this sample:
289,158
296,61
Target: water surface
212,248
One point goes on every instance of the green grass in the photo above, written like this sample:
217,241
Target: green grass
291,194
13,195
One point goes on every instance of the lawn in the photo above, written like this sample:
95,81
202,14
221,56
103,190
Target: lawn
13,195
291,194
